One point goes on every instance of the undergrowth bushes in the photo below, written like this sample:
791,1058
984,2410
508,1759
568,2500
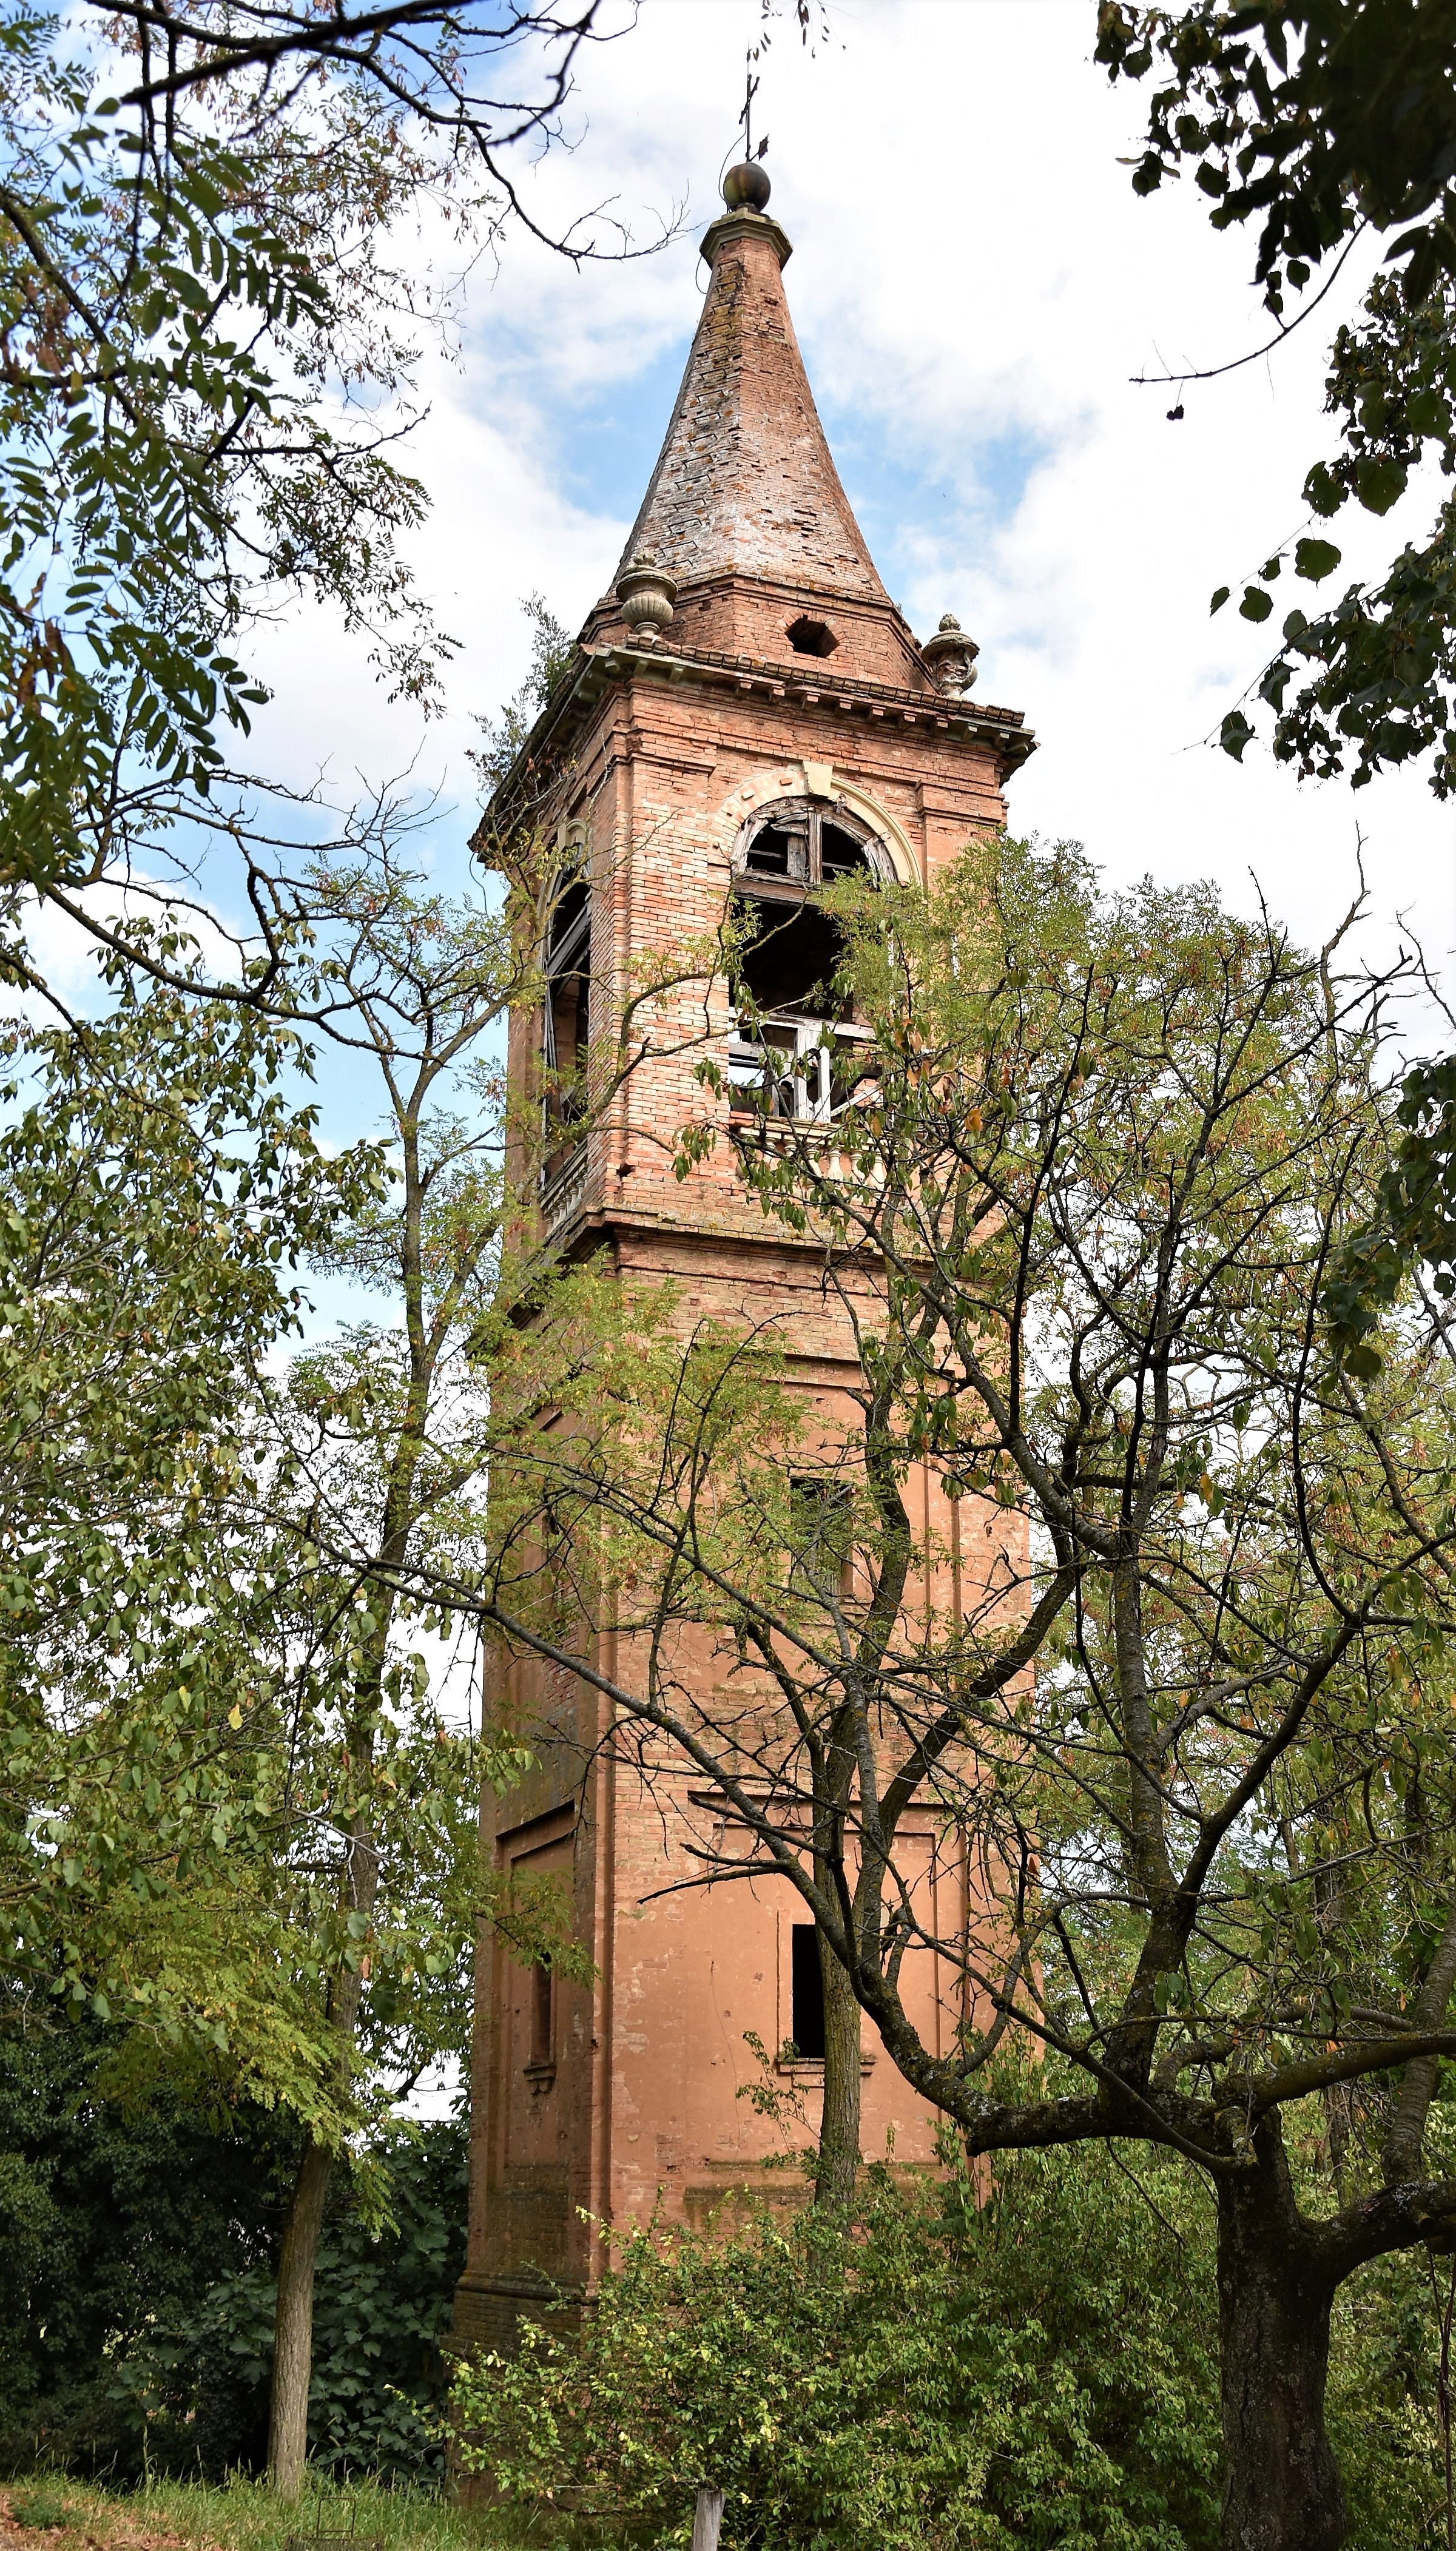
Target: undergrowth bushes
137,2266
1040,2368
197,2385
1037,2369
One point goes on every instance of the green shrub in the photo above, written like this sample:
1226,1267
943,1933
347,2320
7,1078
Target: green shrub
110,2223
1041,2370
1381,2410
39,2511
1037,2370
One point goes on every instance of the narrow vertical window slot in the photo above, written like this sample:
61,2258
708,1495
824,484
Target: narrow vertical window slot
806,2004
542,2047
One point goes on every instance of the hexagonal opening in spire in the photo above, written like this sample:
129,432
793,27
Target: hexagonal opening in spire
811,636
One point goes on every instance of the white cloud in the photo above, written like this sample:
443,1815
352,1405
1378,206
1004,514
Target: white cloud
68,957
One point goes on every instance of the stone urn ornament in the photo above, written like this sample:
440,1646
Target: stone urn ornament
646,597
950,656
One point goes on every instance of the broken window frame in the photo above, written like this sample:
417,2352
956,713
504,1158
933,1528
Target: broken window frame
808,817
566,954
803,1092
804,1086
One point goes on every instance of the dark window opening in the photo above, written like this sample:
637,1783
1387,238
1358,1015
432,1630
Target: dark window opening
790,962
797,1050
565,962
806,2006
821,1521
542,2049
811,636
567,1055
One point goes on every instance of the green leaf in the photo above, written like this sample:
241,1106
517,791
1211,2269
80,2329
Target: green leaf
1314,560
1427,412
1323,492
1255,604
1379,485
1219,599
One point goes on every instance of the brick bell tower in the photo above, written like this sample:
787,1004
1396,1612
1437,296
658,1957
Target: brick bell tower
746,715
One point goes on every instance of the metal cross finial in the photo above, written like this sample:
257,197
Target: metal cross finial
751,90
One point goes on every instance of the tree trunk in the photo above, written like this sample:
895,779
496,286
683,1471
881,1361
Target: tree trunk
293,2323
839,2127
300,2250
1402,2156
1281,2484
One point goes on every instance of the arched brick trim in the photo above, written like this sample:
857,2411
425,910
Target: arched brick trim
896,841
807,779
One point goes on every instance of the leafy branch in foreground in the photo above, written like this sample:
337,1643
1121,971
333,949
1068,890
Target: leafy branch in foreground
1317,122
171,470
1311,120
211,314
158,1189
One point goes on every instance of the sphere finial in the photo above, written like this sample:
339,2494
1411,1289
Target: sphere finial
746,187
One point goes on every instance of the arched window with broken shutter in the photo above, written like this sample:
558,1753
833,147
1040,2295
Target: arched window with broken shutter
797,1049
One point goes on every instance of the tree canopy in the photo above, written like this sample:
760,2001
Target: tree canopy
1180,1700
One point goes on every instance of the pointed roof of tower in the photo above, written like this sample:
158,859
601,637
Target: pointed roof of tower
745,482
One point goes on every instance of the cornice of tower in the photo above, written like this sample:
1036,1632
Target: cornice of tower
596,670
744,223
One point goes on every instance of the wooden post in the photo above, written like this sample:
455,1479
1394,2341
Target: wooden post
707,2516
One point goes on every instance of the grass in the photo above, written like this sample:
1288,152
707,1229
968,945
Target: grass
242,2515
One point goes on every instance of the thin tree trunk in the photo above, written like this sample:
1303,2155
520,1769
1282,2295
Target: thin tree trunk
1282,2484
443,1007
293,2323
299,2254
300,2250
839,2127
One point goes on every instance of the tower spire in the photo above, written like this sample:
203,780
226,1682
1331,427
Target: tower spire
745,484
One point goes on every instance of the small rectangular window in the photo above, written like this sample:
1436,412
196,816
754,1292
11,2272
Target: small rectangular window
543,2049
807,1998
